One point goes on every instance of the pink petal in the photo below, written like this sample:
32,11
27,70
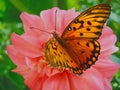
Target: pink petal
50,71
31,21
36,64
24,47
48,18
109,51
68,81
107,84
35,22
16,57
57,82
31,39
91,79
105,66
32,78
36,82
106,38
23,70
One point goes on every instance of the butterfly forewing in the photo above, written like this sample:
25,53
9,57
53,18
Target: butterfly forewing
88,24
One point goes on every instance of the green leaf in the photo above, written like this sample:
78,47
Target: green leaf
12,81
2,9
116,81
32,6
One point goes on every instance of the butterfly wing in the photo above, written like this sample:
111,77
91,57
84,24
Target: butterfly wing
86,50
77,56
58,56
82,33
88,24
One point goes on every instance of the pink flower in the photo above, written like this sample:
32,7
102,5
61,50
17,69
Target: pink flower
26,52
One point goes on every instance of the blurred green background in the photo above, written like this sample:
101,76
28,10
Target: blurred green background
10,22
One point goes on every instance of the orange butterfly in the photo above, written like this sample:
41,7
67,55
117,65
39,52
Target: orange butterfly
77,49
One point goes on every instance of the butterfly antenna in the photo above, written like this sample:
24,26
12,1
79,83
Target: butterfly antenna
55,19
40,30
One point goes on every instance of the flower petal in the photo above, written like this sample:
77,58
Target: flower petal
31,21
24,47
89,80
32,78
68,81
107,84
105,66
37,24
48,18
106,38
13,53
57,82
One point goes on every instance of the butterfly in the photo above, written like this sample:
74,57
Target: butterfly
77,49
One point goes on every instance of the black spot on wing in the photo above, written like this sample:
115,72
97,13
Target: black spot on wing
81,34
87,44
89,23
74,28
88,29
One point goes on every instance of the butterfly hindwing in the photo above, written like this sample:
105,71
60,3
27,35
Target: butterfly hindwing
57,56
87,51
88,24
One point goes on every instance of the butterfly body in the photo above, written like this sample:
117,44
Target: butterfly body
77,48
